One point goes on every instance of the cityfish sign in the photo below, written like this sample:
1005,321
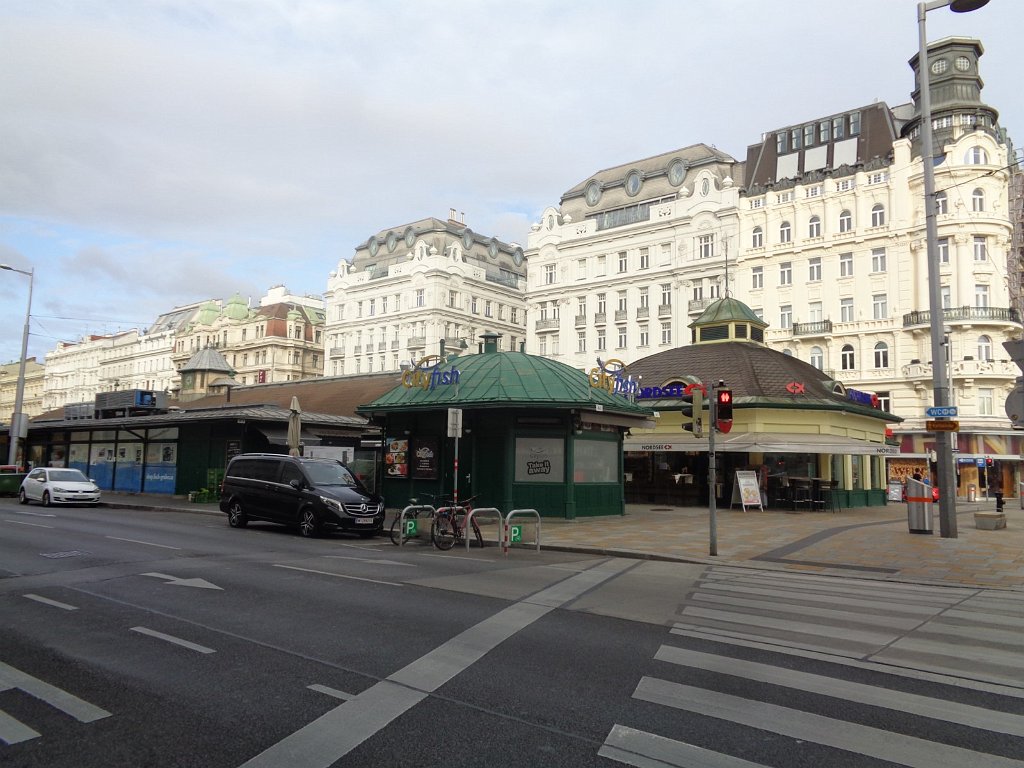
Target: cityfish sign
427,374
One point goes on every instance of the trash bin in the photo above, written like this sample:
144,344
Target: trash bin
972,493
919,506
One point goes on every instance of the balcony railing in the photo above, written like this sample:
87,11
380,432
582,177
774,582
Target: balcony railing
664,310
581,321
549,324
621,315
358,349
820,328
337,351
699,305
954,314
394,345
600,318
642,312
382,346
417,342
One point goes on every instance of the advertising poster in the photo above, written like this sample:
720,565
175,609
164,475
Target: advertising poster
396,461
424,459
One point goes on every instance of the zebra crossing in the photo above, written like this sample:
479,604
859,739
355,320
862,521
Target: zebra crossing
870,672
13,731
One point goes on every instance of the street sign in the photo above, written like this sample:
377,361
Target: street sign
942,426
941,412
454,422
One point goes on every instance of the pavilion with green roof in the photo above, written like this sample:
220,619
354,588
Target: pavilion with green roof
536,434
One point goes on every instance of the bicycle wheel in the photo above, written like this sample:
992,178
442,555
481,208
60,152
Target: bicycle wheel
396,530
476,533
442,532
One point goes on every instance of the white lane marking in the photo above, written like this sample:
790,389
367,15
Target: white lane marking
33,514
147,543
832,658
48,601
337,732
330,691
173,639
372,560
201,583
337,575
13,732
859,739
788,625
916,704
82,711
25,522
460,557
646,750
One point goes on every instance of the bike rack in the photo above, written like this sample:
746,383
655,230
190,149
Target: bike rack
401,523
478,511
520,512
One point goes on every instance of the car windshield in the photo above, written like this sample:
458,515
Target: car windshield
68,476
329,473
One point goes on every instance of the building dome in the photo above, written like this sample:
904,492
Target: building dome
237,308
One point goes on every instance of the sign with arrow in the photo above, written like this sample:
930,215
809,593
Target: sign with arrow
201,583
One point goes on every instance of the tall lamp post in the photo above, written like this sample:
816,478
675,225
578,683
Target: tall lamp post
943,441
18,425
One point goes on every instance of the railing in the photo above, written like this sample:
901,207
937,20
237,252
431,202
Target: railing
357,349
621,315
505,278
642,312
547,325
699,305
417,342
394,344
600,318
337,352
581,321
664,310
819,328
953,314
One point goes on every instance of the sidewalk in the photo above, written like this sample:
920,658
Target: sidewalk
870,542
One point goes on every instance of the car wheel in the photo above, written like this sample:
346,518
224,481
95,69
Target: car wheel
309,526
22,498
236,515
46,498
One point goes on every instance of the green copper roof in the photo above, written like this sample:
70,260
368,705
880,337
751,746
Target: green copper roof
728,310
237,308
511,379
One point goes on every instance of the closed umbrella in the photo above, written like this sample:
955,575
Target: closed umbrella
294,427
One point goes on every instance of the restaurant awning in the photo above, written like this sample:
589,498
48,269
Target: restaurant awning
765,442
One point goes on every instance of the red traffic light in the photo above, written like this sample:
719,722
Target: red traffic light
723,409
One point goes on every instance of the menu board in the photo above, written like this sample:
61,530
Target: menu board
424,458
396,458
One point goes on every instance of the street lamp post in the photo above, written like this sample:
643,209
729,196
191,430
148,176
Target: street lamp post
943,442
18,425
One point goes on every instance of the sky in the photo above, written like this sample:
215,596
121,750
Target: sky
154,153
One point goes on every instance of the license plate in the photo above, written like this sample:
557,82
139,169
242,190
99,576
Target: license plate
363,520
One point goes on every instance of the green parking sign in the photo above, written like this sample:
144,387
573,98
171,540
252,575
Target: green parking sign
410,527
515,534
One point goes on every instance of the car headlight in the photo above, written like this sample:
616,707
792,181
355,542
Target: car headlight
331,504
59,489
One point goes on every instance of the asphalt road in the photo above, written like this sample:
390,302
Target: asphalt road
138,638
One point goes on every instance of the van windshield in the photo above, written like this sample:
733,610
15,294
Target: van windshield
329,473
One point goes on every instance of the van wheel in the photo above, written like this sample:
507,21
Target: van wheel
309,526
236,515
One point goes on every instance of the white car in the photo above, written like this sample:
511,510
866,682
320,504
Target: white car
51,485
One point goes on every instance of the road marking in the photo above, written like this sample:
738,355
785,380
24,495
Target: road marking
338,575
797,724
201,583
337,732
646,750
916,704
13,731
330,691
25,522
373,560
147,543
173,639
48,601
34,514
82,711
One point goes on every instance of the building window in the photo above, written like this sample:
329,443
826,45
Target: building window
855,123
757,238
487,309
884,401
581,305
817,358
814,270
601,307
978,200
785,232
780,143
581,269
943,247
698,292
645,258
941,203
786,316
976,156
581,341
600,340
846,265
666,294
986,398
794,138
622,303
847,358
814,312
878,260
881,355
757,278
513,315
419,297
473,306
549,274
808,135
878,215
705,246
602,263
666,253
981,296
542,346
846,310
945,296
623,262
823,132
786,273
644,297
985,349
666,333
814,227
845,221
838,126
622,337
980,251
453,299
645,337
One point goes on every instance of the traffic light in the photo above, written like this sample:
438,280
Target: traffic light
723,410
693,415
988,461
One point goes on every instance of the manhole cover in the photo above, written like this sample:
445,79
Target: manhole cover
56,555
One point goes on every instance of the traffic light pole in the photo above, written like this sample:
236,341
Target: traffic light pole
712,475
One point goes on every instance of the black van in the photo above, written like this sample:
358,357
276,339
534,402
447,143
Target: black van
314,494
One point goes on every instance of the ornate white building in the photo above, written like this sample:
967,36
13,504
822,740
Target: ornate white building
411,288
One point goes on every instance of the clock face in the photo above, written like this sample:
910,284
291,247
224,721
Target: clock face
633,183
676,172
962,63
593,193
410,238
467,239
392,241
373,246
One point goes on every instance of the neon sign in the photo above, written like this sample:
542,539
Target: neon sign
427,374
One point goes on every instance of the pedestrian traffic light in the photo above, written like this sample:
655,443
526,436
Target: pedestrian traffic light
723,409
988,461
693,415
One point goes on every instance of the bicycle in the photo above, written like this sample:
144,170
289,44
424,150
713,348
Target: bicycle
449,525
414,514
